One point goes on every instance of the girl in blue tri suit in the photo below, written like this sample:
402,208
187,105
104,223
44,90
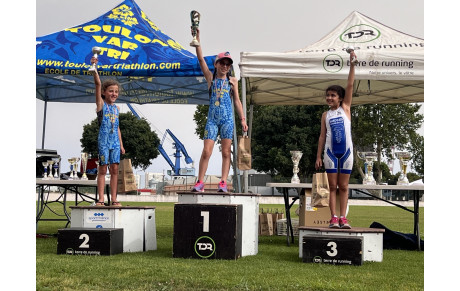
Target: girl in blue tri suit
109,140
220,117
335,140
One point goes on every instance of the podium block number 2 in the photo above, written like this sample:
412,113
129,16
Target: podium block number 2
205,215
85,238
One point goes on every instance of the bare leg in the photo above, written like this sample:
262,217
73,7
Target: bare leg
113,182
226,157
101,171
332,179
343,193
205,156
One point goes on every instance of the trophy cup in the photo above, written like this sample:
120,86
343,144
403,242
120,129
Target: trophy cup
71,162
96,51
56,167
296,156
195,18
369,158
45,166
84,161
349,50
75,168
50,174
404,158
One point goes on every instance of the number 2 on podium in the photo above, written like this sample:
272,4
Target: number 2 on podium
205,215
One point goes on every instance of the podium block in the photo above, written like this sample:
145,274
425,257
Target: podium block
207,231
90,241
138,223
250,202
335,250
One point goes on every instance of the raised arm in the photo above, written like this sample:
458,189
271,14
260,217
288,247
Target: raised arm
98,86
346,103
204,67
237,102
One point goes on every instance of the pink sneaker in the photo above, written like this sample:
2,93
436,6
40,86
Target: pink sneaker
343,222
222,186
334,222
199,187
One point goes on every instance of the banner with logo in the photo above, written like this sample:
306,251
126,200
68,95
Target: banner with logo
390,68
152,67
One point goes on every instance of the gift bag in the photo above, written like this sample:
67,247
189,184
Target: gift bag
126,178
244,152
320,189
265,223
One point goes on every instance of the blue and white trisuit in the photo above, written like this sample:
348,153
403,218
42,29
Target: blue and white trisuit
108,143
338,150
220,114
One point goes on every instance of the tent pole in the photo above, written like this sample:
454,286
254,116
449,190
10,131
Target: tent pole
245,172
44,124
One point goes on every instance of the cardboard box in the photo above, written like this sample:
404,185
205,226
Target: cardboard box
314,216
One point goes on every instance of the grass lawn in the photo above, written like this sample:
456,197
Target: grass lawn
275,267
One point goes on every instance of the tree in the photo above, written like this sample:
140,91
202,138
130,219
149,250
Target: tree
140,143
382,126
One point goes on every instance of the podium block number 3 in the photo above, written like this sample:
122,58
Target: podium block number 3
333,251
205,215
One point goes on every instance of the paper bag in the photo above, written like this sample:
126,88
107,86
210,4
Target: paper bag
126,178
244,152
265,224
320,189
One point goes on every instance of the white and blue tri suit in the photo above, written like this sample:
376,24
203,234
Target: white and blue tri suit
220,114
108,142
338,150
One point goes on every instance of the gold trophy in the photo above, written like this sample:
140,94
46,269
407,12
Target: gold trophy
96,51
195,18
404,158
84,161
296,156
349,50
369,158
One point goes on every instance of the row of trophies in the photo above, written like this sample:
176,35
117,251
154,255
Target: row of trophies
368,158
53,164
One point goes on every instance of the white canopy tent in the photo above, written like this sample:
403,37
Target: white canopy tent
390,69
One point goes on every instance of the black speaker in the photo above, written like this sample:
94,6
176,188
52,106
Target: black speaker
207,231
90,241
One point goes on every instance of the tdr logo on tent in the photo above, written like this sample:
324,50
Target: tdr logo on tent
333,63
360,33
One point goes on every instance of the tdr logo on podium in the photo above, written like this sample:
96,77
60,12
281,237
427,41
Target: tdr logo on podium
205,247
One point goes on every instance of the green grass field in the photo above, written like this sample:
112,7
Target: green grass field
275,267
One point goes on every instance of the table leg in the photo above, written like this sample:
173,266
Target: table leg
288,216
416,217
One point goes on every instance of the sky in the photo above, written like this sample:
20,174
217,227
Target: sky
248,26
235,26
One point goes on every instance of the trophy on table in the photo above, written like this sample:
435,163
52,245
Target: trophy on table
50,173
96,51
349,50
75,168
84,161
195,18
45,174
296,156
56,167
71,162
369,158
404,158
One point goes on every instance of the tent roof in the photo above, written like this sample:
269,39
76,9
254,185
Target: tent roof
150,66
390,69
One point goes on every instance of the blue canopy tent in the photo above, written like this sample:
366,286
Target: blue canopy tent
150,66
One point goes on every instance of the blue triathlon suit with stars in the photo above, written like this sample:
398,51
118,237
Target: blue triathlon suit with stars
108,142
220,115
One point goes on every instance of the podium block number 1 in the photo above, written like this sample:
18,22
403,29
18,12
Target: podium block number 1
205,215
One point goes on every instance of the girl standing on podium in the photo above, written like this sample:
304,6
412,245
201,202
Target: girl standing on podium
109,141
335,139
222,88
